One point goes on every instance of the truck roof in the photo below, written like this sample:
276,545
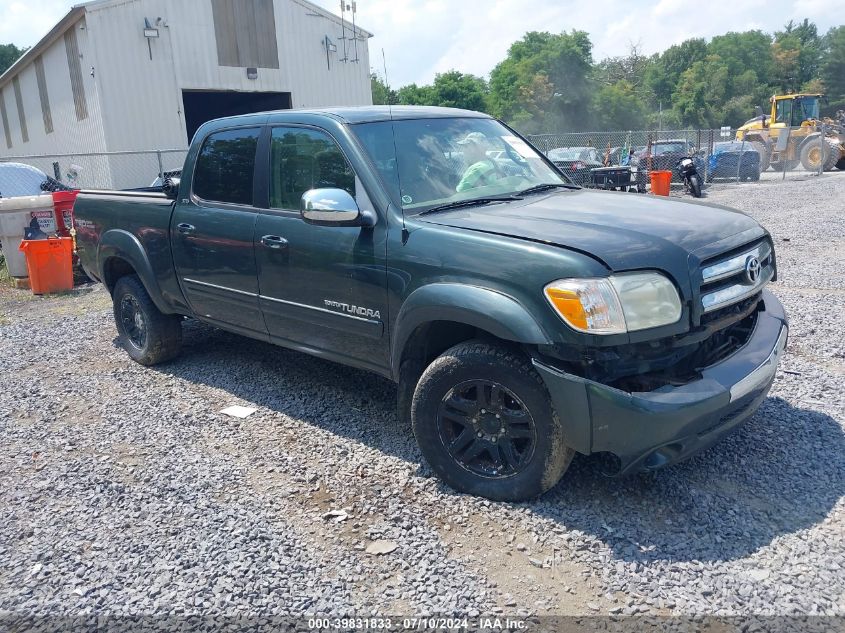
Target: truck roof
363,114
367,114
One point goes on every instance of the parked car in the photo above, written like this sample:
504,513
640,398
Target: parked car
725,157
524,319
17,179
666,154
576,162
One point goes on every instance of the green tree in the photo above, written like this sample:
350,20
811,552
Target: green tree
382,94
664,72
412,94
832,67
618,107
745,55
701,93
803,38
451,89
9,53
454,89
544,81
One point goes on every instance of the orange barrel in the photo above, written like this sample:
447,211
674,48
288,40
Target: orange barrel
661,182
63,208
49,264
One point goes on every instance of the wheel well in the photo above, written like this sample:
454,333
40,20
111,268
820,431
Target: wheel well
114,269
809,139
429,340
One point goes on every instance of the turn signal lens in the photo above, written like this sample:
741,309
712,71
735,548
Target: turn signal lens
587,305
617,304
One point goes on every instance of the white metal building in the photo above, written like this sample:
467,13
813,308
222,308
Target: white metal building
130,75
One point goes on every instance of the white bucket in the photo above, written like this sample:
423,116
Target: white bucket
15,216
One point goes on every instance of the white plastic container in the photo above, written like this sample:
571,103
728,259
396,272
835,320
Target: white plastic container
15,216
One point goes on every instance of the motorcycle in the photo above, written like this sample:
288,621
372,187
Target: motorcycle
692,181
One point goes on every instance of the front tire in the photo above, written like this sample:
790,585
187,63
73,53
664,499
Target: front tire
148,335
695,185
814,154
765,151
484,422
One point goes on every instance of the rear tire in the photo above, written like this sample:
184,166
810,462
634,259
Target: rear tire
148,335
833,154
485,424
695,185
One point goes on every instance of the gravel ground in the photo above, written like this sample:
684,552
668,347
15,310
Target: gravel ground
124,491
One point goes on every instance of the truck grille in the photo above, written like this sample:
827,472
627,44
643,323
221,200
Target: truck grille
735,277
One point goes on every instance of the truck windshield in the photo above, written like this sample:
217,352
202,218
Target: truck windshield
427,163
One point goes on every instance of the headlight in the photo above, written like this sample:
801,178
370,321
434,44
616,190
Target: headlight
615,304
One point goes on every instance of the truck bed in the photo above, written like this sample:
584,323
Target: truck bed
107,221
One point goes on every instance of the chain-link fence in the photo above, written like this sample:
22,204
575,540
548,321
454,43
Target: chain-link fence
720,155
107,170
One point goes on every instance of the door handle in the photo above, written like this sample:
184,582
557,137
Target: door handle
274,241
185,228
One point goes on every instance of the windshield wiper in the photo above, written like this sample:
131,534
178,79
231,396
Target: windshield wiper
546,187
470,203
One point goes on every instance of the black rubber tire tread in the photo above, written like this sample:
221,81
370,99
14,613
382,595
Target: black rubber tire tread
476,358
164,331
765,152
833,154
695,185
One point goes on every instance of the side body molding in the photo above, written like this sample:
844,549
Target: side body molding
483,308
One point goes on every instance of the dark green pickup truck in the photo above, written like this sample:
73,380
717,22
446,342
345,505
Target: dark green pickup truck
523,318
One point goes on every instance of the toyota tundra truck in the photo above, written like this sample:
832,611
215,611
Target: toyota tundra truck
523,318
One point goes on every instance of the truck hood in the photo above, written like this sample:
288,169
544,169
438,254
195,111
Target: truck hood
625,231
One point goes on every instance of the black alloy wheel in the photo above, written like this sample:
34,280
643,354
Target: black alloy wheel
486,429
134,323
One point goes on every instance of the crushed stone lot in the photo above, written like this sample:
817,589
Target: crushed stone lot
124,491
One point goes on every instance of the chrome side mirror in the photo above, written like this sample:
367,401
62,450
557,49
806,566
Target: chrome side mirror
333,207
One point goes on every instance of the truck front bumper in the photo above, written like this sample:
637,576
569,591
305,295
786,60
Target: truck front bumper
648,430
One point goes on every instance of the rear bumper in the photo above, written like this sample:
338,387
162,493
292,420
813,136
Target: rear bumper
647,430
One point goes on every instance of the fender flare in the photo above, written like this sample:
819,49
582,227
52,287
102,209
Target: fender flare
809,139
124,245
483,308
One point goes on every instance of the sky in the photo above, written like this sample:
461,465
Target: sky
423,37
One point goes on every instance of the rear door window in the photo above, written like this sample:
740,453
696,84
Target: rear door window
225,166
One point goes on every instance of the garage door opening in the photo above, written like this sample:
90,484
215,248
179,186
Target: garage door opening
202,105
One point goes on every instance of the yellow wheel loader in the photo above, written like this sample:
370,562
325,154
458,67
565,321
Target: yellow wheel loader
792,134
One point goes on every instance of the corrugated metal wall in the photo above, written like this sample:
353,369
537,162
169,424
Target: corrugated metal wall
43,95
107,65
66,133
245,32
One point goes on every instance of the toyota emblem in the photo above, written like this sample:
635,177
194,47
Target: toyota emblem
752,269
